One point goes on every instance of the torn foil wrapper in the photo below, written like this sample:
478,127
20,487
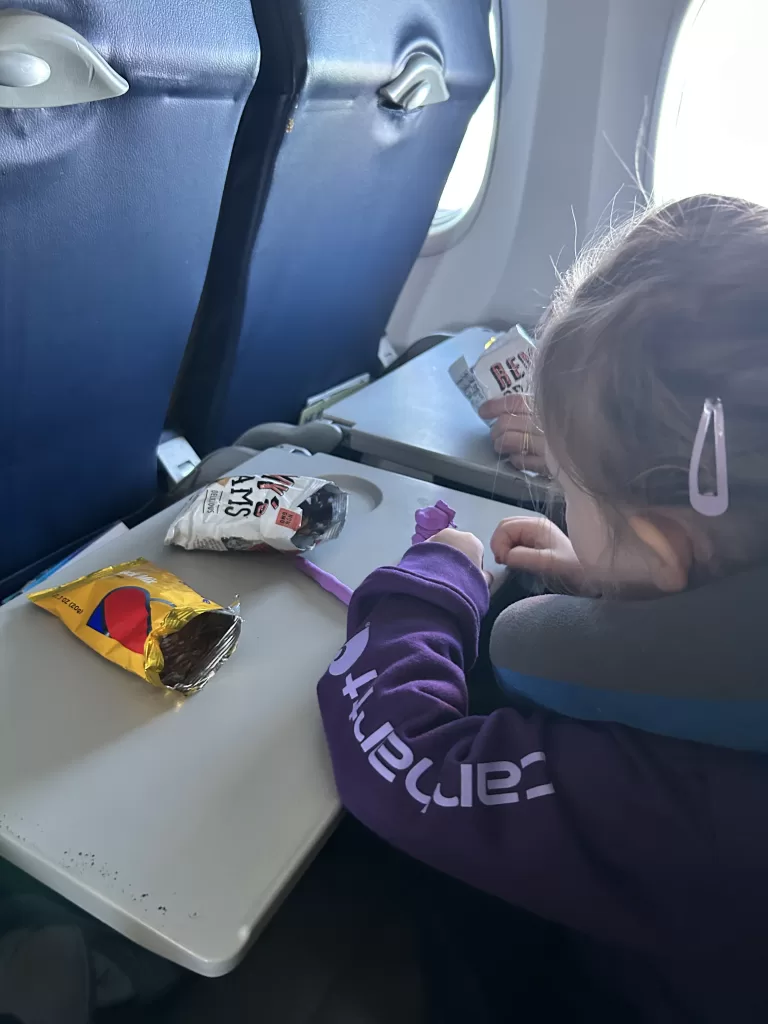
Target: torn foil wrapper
147,621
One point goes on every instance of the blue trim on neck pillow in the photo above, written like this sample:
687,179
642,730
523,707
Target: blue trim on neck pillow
736,724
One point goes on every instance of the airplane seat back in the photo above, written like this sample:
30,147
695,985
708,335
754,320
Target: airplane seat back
330,195
108,211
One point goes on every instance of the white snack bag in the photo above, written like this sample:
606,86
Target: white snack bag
257,513
503,369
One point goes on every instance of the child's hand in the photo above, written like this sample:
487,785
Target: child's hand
535,545
467,543
514,433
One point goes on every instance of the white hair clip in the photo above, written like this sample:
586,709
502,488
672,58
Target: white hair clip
709,504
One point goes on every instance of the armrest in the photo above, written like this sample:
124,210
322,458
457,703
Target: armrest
317,436
217,464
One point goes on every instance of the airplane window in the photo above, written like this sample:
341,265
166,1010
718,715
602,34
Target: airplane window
710,133
468,174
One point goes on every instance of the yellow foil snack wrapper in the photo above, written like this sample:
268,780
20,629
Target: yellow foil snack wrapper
146,620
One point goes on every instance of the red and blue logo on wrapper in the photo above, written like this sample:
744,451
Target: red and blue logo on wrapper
125,615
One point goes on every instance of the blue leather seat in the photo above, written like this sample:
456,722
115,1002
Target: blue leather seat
108,212
315,242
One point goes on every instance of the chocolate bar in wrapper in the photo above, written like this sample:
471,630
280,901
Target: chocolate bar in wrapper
147,621
258,513
504,368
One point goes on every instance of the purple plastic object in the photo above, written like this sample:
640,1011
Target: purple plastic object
429,521
432,520
325,579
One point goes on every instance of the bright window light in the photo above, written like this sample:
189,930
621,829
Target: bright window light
468,174
711,136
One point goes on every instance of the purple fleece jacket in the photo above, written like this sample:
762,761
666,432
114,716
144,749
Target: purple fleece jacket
654,846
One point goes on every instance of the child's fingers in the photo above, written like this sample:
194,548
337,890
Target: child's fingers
516,405
534,560
520,531
467,543
506,425
533,463
505,536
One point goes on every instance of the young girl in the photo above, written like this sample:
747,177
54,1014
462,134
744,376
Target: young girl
623,793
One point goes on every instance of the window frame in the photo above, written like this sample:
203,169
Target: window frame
685,12
447,231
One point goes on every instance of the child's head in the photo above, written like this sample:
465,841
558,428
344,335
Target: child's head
643,331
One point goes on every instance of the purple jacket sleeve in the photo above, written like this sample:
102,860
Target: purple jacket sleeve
573,821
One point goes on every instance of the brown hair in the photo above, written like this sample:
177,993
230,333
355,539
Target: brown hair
667,312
